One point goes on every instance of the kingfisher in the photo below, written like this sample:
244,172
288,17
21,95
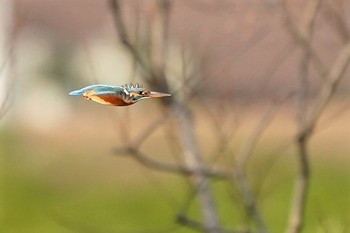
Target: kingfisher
117,95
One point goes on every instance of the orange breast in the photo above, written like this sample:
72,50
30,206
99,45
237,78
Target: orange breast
109,100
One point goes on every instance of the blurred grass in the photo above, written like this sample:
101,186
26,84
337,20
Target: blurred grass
51,183
30,204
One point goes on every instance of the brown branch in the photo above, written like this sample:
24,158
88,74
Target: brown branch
242,158
162,37
156,76
339,20
8,63
193,160
307,121
296,217
247,148
154,72
8,71
301,36
72,225
332,80
249,201
124,35
198,226
304,37
184,220
243,185
170,168
150,129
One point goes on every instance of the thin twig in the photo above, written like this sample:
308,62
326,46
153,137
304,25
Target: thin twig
332,80
193,160
304,36
247,148
124,35
338,18
242,158
198,226
150,129
245,191
301,36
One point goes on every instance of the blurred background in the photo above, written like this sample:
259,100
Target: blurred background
248,79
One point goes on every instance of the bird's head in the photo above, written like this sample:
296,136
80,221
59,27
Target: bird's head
136,92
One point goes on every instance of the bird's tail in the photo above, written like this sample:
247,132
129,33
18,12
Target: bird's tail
77,92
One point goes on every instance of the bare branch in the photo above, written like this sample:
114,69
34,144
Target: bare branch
243,185
307,121
339,20
242,158
193,160
296,217
124,35
247,148
301,36
170,168
184,220
156,77
304,37
332,80
9,64
161,35
71,224
150,129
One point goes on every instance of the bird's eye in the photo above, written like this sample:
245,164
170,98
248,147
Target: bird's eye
143,92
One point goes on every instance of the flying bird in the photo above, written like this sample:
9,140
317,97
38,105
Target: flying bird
117,95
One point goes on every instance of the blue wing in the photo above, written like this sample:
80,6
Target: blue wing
98,89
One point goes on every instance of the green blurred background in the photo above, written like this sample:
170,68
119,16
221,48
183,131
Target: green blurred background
58,169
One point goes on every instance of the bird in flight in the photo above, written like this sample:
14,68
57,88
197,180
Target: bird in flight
117,95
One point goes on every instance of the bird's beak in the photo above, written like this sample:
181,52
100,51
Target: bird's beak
154,94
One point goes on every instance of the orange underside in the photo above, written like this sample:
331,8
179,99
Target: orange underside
109,100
